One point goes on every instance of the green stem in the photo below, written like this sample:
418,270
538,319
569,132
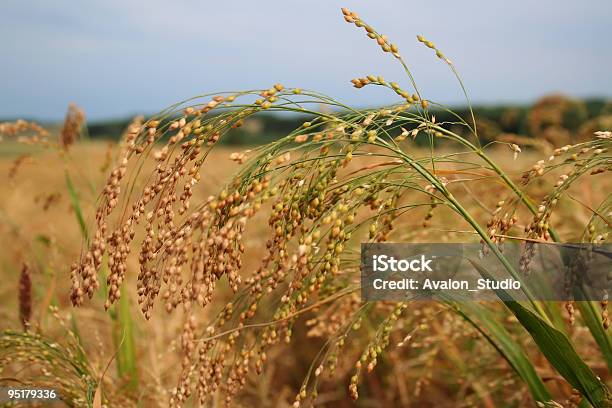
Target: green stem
485,237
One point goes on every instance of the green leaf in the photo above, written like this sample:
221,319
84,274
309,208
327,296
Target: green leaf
557,349
124,341
76,205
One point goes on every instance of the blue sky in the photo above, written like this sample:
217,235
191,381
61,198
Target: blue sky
116,58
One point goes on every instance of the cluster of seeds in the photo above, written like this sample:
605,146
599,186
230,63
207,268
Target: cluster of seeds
431,45
47,200
583,159
370,356
499,225
35,134
382,40
188,138
25,296
17,164
73,124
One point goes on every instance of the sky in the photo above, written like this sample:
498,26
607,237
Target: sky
117,58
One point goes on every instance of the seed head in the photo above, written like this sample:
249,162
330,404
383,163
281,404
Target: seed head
25,296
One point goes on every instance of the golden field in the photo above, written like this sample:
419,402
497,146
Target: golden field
446,359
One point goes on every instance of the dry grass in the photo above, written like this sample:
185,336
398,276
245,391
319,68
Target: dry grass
427,337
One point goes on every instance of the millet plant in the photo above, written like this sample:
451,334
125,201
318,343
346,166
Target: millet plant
345,176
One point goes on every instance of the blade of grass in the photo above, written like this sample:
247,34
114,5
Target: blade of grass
123,331
76,205
124,340
554,310
557,349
